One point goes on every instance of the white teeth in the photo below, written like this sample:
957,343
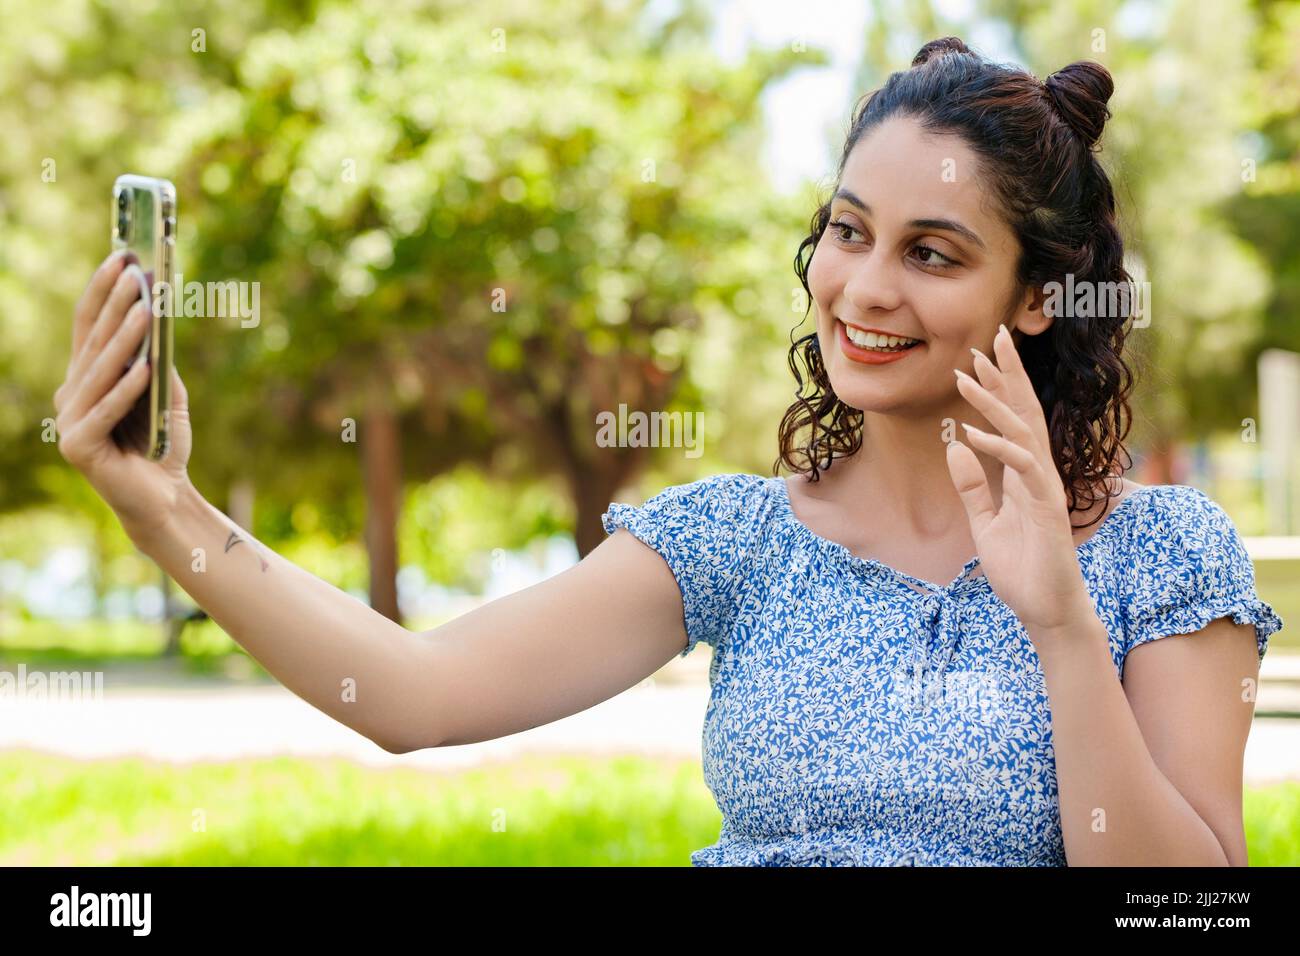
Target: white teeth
870,340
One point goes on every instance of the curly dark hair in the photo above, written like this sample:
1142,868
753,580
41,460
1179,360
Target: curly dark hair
1036,142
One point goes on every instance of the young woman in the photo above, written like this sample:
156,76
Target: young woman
1024,713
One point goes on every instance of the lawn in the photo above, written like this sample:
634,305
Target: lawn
562,811
626,811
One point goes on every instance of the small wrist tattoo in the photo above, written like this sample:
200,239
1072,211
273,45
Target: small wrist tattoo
235,539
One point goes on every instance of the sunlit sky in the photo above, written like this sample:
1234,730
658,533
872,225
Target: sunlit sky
807,113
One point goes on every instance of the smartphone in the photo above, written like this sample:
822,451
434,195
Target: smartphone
144,223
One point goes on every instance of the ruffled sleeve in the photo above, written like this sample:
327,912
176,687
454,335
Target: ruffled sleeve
1190,567
704,531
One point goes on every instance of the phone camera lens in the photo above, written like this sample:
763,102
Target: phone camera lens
123,213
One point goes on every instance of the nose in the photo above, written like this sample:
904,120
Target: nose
873,285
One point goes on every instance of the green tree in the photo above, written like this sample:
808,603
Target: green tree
473,237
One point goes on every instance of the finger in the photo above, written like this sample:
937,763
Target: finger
128,287
1016,379
1019,459
1024,402
988,373
991,377
83,435
107,366
92,299
1030,411
179,409
972,486
180,397
113,407
996,411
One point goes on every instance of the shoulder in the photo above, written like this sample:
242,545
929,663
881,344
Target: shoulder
705,531
718,504
1186,566
722,493
713,495
1181,522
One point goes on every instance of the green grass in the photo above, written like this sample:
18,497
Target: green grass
1272,818
559,811
93,638
204,647
556,811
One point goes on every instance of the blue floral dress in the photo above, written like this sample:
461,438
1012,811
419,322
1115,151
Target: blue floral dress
861,716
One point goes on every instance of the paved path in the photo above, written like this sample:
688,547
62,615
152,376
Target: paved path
232,723
663,716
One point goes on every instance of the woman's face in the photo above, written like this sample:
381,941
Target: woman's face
914,248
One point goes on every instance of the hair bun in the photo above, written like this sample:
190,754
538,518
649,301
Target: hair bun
1080,92
937,48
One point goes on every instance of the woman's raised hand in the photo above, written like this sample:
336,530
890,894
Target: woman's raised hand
109,323
1026,547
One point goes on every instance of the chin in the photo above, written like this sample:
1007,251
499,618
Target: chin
868,398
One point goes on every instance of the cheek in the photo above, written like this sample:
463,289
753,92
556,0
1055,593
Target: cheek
825,282
952,311
821,271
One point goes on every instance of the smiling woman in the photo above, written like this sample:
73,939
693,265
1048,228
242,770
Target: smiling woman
1032,710
962,184
1028,712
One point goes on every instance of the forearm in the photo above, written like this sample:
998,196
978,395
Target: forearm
1117,807
330,649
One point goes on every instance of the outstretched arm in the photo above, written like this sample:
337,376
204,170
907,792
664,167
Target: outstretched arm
526,659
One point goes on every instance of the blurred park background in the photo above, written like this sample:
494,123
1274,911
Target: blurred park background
634,179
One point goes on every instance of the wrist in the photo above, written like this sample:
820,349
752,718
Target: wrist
1085,645
1077,624
151,538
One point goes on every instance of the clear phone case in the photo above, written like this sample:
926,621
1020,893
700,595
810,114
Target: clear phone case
144,222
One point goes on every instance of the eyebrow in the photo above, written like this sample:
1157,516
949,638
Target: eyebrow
949,225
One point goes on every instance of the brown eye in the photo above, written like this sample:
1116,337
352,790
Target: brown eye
943,261
837,227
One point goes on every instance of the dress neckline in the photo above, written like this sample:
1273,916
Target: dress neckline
855,560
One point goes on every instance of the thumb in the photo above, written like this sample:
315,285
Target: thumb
972,485
180,398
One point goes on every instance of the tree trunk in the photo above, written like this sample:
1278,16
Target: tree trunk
381,462
593,489
171,620
240,503
590,498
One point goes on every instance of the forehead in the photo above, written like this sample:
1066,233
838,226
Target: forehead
904,172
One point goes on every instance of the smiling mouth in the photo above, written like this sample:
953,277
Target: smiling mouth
876,342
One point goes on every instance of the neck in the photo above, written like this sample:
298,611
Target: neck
900,474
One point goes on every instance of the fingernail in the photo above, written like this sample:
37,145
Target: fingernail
1003,329
976,352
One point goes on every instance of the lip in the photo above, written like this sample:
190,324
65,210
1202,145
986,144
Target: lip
856,353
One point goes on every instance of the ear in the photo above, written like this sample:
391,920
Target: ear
1030,315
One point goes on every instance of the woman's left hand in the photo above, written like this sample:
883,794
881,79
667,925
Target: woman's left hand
1026,547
